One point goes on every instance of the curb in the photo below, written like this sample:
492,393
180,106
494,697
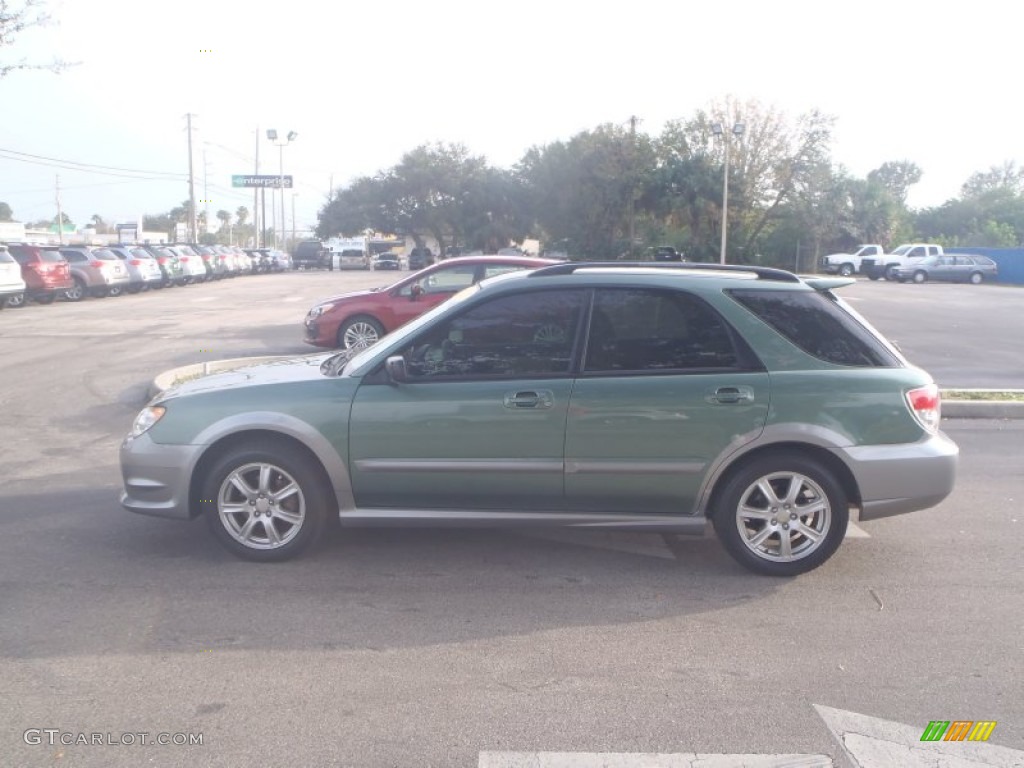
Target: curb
983,409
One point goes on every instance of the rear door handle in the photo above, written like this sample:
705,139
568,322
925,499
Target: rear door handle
732,395
530,398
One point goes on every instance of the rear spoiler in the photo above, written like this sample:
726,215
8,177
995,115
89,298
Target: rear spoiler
819,283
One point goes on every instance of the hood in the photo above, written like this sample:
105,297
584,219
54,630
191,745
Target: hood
290,369
350,295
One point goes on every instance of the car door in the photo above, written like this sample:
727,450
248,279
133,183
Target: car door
666,387
417,296
479,421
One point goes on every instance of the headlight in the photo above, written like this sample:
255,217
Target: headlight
147,418
319,309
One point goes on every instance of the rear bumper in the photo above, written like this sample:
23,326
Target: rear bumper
895,479
156,477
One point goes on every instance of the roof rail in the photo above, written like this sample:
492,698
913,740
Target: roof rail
763,273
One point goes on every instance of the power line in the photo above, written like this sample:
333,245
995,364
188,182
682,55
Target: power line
69,164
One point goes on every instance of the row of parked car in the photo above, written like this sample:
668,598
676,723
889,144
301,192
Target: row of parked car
43,273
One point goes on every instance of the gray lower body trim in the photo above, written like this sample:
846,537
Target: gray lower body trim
460,518
156,477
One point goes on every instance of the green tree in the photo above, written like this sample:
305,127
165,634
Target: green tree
581,189
242,214
97,223
1006,176
897,177
6,214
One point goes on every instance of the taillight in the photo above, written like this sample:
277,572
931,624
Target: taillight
162,260
926,404
136,262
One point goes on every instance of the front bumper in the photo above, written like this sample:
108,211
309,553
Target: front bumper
895,479
157,477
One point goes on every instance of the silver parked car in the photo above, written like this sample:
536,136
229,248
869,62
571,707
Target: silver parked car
950,268
12,286
143,270
95,271
192,266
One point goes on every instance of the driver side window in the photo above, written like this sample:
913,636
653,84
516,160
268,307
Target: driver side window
450,280
526,335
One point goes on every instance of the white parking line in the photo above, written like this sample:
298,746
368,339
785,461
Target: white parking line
646,760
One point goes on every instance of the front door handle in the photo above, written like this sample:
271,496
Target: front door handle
530,398
732,395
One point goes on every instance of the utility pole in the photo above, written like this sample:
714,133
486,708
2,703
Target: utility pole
60,215
293,222
206,194
191,186
256,196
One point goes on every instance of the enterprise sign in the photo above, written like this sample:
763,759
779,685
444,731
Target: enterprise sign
261,181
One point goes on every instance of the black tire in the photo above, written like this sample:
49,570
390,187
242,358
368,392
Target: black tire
115,290
890,272
920,277
78,292
739,533
45,298
976,278
359,327
296,519
846,270
15,301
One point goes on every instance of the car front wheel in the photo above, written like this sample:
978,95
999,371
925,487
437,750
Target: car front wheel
846,270
781,515
359,333
264,502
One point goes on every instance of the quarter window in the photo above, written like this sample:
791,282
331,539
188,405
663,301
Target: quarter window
653,330
816,324
526,335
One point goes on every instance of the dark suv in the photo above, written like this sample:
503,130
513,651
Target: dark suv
311,254
45,271
420,258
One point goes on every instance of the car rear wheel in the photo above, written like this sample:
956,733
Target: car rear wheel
76,292
359,333
920,277
977,278
890,272
17,300
781,515
264,502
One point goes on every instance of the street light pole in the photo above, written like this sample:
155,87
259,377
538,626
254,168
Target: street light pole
718,130
272,135
294,195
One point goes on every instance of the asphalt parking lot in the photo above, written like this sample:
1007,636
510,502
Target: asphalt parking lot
416,648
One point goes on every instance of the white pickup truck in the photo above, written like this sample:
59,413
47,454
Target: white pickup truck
846,264
885,265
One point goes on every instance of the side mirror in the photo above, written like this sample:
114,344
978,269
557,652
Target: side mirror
395,366
415,291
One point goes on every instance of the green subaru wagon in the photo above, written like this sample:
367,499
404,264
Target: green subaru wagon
650,397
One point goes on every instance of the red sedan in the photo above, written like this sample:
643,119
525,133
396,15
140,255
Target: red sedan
356,320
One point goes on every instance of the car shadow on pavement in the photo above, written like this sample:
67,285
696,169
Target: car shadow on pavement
77,565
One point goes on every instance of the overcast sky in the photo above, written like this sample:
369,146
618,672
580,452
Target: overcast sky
363,82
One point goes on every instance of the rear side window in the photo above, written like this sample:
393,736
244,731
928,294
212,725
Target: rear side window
644,330
51,255
817,325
